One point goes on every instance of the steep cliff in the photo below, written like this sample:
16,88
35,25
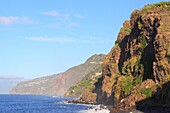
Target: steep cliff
139,63
58,84
138,66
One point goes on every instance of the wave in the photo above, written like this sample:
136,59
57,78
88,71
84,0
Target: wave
96,109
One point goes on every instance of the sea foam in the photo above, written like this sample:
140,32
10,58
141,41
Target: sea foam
96,109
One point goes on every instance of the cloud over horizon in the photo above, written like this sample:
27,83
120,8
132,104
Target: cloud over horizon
8,20
86,40
54,13
58,39
66,19
79,16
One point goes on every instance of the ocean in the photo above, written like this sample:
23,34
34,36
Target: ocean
43,104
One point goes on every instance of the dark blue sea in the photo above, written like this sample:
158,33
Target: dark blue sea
38,104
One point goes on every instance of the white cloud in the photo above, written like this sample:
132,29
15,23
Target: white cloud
14,20
85,40
66,15
72,25
25,20
8,20
58,39
78,16
65,20
56,14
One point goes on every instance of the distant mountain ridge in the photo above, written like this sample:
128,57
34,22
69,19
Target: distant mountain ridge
58,84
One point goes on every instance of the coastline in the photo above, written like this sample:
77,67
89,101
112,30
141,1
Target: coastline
94,107
145,107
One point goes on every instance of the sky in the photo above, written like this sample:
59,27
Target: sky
45,37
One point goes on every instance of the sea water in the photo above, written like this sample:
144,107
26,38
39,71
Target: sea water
43,104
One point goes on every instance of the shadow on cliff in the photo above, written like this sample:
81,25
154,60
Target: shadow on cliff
126,43
102,97
98,90
124,55
158,103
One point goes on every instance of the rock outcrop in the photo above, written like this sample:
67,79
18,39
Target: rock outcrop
138,65
58,84
140,61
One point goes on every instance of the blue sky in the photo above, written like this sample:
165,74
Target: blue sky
44,37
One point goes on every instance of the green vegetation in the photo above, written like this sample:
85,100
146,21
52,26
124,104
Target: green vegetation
135,75
132,76
132,67
158,4
135,14
162,5
147,92
117,42
138,80
126,83
140,25
125,30
85,85
168,53
143,42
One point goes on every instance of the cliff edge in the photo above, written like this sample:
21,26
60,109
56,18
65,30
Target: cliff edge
138,66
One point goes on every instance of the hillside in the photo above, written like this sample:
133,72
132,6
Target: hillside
58,84
138,67
85,85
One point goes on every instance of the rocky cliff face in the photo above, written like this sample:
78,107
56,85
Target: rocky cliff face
58,84
139,64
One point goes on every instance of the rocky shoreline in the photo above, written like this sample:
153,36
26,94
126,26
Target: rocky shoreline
148,106
81,101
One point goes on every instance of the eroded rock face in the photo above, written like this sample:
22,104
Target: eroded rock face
140,60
